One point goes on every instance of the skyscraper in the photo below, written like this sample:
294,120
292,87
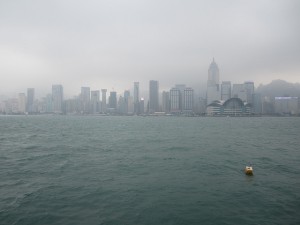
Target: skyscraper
57,98
95,101
112,101
30,100
103,105
225,90
22,103
213,92
249,88
239,91
257,104
175,100
153,96
142,106
136,97
85,99
48,106
188,100
181,88
126,101
166,101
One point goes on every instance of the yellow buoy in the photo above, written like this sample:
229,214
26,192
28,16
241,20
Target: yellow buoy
249,170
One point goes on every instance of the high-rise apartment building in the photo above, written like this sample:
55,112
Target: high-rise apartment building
153,96
188,100
103,103
95,101
126,101
57,98
73,105
22,103
30,100
213,92
249,88
112,101
257,103
175,99
48,104
85,99
142,106
225,90
286,105
130,105
136,97
181,88
166,101
239,91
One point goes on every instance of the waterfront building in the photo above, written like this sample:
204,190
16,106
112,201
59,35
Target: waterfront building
153,96
287,105
249,88
257,103
166,101
57,98
21,103
188,100
175,100
11,106
201,109
85,99
136,96
213,92
268,105
130,105
48,106
126,101
112,101
121,105
181,88
73,106
142,106
103,103
225,90
95,102
230,107
239,91
214,108
30,101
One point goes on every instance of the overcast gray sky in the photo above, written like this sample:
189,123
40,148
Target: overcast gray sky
112,43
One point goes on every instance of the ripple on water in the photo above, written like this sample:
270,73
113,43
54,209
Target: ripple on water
132,170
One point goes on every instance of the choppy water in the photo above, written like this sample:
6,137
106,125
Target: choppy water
149,170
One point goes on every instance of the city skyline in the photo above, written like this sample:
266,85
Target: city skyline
199,90
221,99
216,89
110,44
135,91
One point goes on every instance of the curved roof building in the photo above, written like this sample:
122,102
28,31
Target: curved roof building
230,107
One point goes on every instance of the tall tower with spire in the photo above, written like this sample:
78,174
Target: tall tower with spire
213,74
213,83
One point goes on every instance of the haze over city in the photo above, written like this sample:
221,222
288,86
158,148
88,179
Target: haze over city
111,44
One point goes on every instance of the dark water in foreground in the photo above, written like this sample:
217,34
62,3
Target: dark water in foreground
149,170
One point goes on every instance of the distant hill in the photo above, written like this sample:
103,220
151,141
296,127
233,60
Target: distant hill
279,88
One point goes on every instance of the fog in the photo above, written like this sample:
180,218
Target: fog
112,43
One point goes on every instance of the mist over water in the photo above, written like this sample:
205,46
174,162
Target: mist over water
148,170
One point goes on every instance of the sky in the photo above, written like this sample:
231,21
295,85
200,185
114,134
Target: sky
113,43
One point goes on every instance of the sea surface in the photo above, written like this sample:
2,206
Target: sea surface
149,170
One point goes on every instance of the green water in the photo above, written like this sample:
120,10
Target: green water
149,170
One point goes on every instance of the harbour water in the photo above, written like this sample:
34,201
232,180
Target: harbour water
149,170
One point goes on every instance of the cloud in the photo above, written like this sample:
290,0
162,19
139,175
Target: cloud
112,43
